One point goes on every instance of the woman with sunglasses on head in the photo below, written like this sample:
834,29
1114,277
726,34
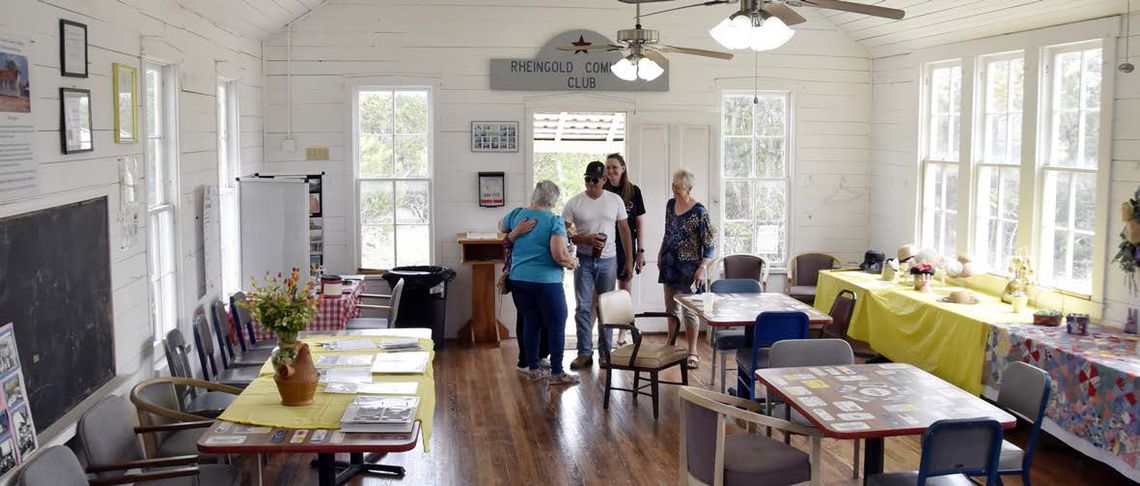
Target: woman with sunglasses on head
617,182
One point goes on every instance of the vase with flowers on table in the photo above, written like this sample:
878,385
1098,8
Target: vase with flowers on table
285,306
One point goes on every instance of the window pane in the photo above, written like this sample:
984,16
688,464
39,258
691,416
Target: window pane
376,156
1010,188
411,156
155,176
1067,81
1082,262
769,201
1090,82
1016,84
1060,251
1085,204
952,137
376,112
377,246
1014,130
1066,136
414,245
770,116
737,200
737,115
769,157
997,86
1090,153
938,130
153,97
940,91
411,112
950,200
413,204
737,157
376,203
1059,184
997,138
737,238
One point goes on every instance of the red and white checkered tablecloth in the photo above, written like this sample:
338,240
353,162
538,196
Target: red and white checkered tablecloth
333,313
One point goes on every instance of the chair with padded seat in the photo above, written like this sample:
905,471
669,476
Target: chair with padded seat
58,466
712,457
770,328
952,450
240,376
244,325
794,353
156,401
723,340
206,403
842,309
615,311
226,336
803,273
110,442
743,265
392,310
1024,392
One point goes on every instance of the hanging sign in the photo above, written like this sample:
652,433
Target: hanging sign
586,68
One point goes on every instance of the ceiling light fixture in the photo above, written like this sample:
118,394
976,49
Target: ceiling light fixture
752,28
636,66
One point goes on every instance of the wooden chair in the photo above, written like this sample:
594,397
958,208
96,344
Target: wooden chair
224,332
392,310
803,273
711,457
240,377
740,266
615,311
156,401
842,309
58,466
207,404
244,325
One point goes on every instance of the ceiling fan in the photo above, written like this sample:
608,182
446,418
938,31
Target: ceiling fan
644,59
780,8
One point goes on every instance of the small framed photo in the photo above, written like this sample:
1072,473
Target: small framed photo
125,87
492,189
75,120
72,49
494,136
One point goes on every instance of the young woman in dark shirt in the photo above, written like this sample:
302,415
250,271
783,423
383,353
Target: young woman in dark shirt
617,182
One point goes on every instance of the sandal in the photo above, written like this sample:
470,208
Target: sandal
693,362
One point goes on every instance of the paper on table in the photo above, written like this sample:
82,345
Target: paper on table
387,388
349,345
346,375
414,362
329,360
472,235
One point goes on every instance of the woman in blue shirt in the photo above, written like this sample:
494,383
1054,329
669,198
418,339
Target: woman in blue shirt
538,258
686,250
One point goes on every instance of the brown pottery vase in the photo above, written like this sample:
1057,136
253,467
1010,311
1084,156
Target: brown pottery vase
296,381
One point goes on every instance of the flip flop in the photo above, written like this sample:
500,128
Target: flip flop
693,362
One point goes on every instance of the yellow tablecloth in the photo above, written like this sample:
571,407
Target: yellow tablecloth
260,404
948,340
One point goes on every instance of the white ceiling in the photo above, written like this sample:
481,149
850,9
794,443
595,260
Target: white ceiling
254,19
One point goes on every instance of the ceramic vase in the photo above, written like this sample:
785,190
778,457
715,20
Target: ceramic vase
297,377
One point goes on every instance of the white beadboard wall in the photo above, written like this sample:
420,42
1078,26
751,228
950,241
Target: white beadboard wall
895,145
449,44
119,32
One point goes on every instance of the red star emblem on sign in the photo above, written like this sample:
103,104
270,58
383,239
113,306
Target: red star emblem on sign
581,45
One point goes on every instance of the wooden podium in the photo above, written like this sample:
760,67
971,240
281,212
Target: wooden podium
482,255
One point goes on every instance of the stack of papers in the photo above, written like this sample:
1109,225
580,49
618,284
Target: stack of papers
408,388
393,345
380,415
410,362
348,345
357,360
345,375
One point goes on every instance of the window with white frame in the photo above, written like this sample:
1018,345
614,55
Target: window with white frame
229,164
755,174
940,164
162,196
1068,168
393,176
998,166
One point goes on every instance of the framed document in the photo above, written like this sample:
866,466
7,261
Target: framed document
125,83
72,49
492,189
492,136
75,120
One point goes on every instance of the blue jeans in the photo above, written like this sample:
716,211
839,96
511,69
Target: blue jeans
594,276
543,306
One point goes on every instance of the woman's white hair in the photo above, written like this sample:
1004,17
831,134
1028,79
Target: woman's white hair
545,194
685,177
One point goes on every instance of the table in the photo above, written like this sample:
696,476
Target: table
874,401
1094,404
731,310
256,423
483,255
333,313
906,326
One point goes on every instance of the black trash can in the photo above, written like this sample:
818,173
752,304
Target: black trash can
424,301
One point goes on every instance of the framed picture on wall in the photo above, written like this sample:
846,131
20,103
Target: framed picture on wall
492,189
125,82
75,120
72,49
494,136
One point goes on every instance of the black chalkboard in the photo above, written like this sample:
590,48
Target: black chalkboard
55,285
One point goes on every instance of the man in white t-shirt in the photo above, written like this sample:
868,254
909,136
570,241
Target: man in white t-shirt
594,215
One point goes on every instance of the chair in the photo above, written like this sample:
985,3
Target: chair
952,450
803,273
110,444
728,339
770,328
711,457
615,311
156,401
209,404
58,466
243,323
393,309
240,376
794,353
224,332
1025,393
841,312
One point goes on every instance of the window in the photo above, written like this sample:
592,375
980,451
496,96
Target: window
393,181
229,165
940,166
162,197
755,170
1071,139
999,161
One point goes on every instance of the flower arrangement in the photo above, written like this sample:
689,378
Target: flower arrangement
1128,253
1019,267
922,272
284,306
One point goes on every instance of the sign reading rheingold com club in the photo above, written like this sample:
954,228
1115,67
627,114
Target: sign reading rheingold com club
586,68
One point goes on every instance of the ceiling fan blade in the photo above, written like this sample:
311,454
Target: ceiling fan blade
695,52
654,55
784,13
599,47
890,13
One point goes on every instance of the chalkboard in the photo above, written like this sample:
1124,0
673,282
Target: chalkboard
55,285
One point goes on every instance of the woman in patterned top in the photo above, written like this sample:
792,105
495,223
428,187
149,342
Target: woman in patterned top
685,252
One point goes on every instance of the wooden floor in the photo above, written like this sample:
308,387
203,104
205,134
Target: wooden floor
492,426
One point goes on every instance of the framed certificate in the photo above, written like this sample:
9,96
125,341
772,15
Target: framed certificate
75,120
72,49
492,189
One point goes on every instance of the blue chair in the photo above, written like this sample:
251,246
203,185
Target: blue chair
951,451
727,339
770,328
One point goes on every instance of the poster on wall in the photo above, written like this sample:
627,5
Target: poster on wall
17,432
19,173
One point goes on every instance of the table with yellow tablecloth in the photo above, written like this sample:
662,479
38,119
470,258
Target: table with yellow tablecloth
260,404
945,339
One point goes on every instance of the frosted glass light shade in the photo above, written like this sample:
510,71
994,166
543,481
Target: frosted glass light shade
771,34
624,69
732,33
648,70
739,33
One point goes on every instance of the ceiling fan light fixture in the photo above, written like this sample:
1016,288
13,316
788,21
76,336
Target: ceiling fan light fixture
733,32
771,34
648,70
742,31
624,69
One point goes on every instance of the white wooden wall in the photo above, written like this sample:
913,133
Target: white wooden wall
116,31
448,45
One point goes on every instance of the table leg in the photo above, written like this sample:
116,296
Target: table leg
326,469
257,470
872,458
